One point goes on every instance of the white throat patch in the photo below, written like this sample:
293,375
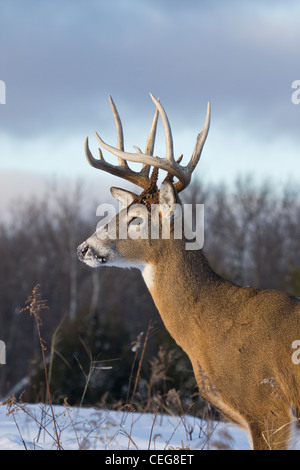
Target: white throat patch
148,275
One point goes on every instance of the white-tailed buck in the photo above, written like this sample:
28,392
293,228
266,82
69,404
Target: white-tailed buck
239,339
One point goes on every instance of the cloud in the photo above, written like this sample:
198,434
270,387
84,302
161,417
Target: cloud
60,60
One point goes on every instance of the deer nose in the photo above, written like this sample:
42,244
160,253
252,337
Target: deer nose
82,250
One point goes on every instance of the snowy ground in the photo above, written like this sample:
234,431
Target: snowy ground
87,428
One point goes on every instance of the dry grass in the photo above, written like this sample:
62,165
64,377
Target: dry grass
35,305
169,404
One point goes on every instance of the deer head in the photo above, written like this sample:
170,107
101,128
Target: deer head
126,241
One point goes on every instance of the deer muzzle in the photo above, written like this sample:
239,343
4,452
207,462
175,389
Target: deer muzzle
88,255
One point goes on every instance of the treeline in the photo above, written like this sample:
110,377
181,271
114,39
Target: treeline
252,237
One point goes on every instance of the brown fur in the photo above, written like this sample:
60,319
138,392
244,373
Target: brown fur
239,342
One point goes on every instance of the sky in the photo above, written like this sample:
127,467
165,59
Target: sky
60,60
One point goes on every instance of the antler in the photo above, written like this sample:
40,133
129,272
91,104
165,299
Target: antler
168,163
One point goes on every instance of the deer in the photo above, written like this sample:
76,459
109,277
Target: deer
239,339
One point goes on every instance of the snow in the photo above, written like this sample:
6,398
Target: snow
31,427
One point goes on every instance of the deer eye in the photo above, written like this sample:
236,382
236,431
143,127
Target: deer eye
136,221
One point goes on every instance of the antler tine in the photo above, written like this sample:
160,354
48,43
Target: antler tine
120,135
151,138
200,141
167,129
139,178
149,149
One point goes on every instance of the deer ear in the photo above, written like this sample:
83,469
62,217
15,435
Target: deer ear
167,200
125,197
167,195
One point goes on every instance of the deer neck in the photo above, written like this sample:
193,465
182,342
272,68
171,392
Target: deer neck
184,288
175,268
